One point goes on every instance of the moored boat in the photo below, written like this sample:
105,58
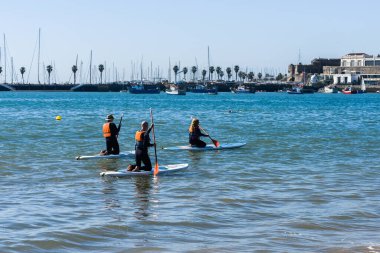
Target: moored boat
241,89
144,88
350,90
176,89
295,90
330,89
200,88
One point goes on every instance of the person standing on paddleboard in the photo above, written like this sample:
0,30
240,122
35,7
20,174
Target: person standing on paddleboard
195,133
110,132
141,149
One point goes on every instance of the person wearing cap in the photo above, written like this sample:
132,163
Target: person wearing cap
195,133
110,132
141,149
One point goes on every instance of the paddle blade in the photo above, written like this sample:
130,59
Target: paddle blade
155,169
216,143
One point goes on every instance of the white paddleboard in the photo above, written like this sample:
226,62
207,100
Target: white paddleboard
126,154
208,147
163,169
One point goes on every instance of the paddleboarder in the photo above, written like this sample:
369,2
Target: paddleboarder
195,133
141,148
110,133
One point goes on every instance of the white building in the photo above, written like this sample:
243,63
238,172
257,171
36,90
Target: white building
351,78
355,68
359,60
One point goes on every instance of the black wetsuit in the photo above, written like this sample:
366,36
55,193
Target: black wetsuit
141,152
111,142
194,138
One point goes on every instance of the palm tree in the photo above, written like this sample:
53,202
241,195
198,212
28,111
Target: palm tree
228,70
184,70
49,69
211,69
175,69
236,69
194,69
218,69
101,68
204,72
259,75
22,71
221,74
240,74
244,75
251,75
74,69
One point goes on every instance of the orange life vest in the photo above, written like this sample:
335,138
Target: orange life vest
139,135
106,130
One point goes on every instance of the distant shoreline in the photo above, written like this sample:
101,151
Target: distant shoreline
117,87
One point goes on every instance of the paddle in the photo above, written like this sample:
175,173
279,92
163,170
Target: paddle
119,127
216,143
154,141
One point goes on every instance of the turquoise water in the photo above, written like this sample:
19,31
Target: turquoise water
308,179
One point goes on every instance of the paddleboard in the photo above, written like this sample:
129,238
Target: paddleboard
163,169
208,147
126,154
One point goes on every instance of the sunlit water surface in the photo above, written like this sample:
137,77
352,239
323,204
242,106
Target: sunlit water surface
308,179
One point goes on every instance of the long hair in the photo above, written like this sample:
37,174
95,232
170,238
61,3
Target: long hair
194,124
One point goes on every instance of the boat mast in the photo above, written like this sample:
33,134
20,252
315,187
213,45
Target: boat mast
196,64
0,58
113,71
76,65
80,72
151,71
12,70
39,52
5,62
208,62
90,64
170,72
141,70
105,72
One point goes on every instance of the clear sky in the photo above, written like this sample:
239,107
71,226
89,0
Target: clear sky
256,35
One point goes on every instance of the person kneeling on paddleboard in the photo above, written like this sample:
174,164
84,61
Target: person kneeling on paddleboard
195,133
110,132
141,149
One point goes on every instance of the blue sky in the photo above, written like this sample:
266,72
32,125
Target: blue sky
256,35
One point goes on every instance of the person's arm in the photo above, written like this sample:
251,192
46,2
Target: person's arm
199,132
147,138
114,129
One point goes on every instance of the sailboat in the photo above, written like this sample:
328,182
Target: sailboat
143,86
177,89
202,88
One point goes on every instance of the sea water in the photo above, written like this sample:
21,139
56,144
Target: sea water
308,179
